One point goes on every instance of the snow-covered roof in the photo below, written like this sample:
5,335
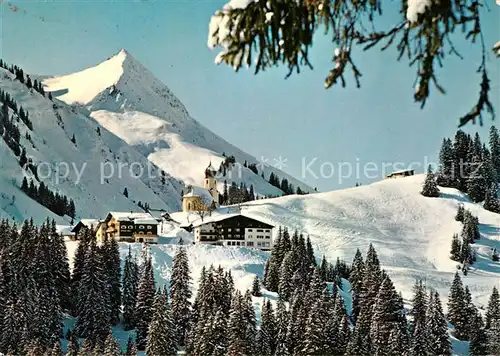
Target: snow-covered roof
146,221
221,217
211,168
158,213
210,171
402,171
130,215
204,194
214,218
90,222
65,230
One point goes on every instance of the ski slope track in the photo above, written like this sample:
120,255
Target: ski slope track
128,100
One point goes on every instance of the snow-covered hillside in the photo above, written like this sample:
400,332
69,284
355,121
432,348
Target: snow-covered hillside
411,233
80,165
126,98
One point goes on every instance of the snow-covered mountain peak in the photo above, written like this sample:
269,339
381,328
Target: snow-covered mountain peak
82,87
127,99
121,83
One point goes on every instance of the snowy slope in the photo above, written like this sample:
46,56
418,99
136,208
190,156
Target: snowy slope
411,233
54,124
126,98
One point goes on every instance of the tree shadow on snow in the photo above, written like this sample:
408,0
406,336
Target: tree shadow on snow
455,196
491,230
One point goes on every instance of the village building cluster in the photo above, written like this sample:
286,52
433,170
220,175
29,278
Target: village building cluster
224,229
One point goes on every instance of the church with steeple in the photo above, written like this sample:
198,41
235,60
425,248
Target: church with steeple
202,199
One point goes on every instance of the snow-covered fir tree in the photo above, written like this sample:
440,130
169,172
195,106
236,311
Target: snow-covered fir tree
316,337
475,318
446,172
111,346
430,188
419,303
196,314
47,313
386,316
358,344
73,347
56,349
218,333
281,247
310,252
493,334
479,344
323,268
33,348
85,235
297,321
457,311
144,307
130,284
266,339
495,149
237,344
214,293
161,334
250,324
356,279
460,213
372,280
111,258
285,286
131,348
491,200
470,229
418,344
456,249
282,319
180,293
12,327
316,285
494,255
339,331
93,317
477,182
60,267
493,308
437,327
256,287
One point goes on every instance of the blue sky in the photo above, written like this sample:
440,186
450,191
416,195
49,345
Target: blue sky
265,115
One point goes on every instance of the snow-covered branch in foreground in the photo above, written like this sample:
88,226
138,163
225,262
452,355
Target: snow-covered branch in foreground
496,47
220,25
417,7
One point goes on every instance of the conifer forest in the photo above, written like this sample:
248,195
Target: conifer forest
322,308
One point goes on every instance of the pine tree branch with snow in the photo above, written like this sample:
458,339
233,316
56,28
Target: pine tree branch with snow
265,34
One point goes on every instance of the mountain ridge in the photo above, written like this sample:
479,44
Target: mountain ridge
145,113
49,146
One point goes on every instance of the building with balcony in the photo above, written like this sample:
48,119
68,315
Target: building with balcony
234,230
129,227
